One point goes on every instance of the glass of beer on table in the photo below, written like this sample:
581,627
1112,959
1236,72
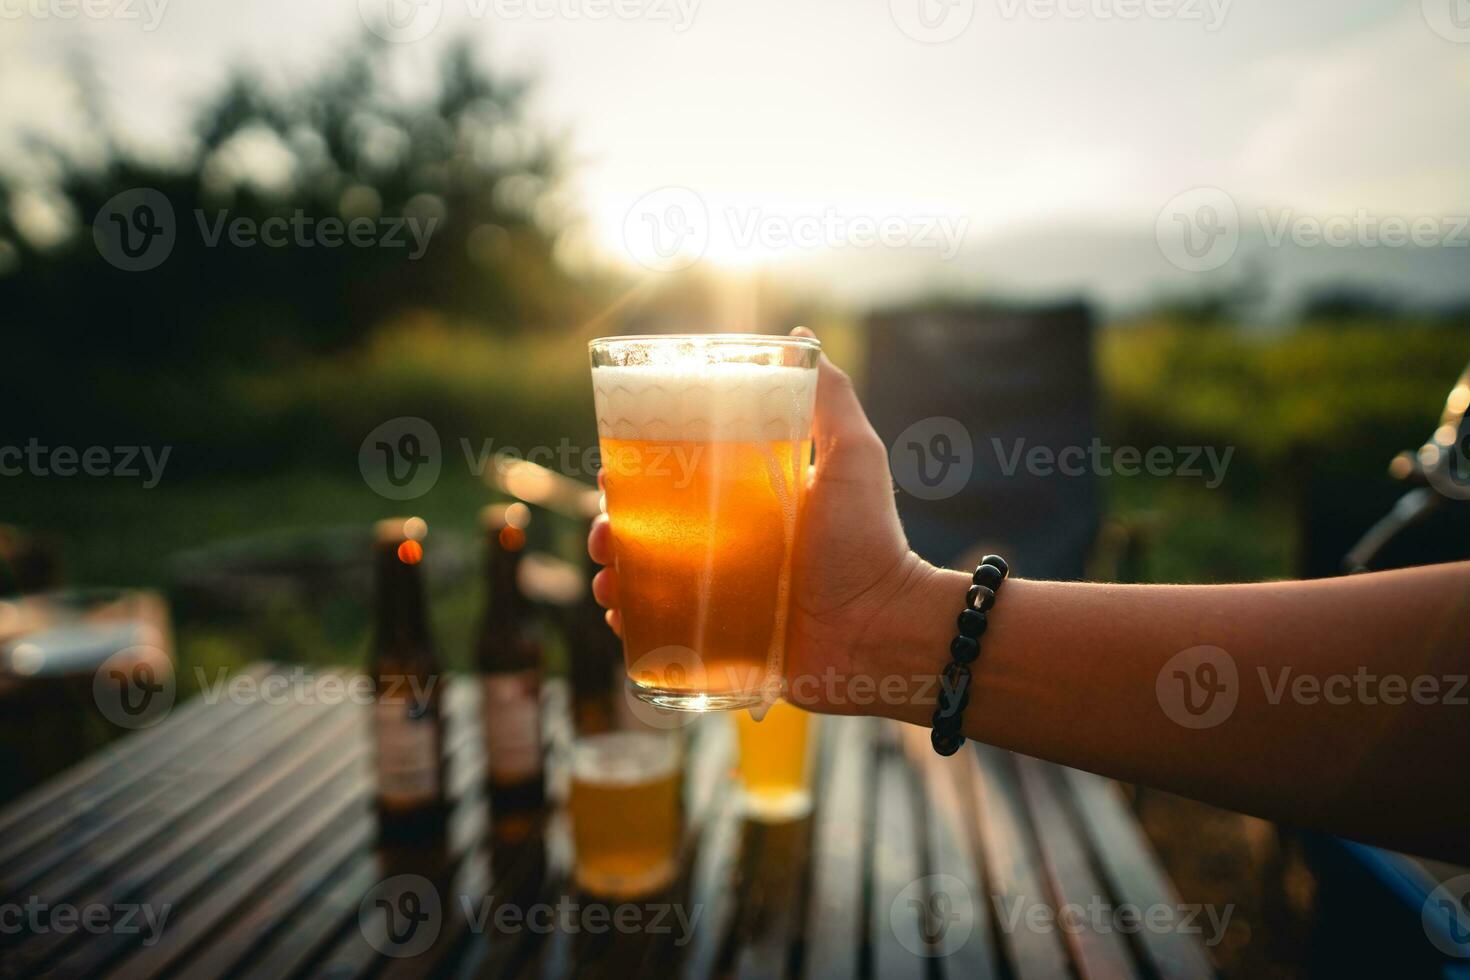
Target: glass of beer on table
705,444
626,812
776,756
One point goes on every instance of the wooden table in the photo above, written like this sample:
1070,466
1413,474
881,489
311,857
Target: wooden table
252,825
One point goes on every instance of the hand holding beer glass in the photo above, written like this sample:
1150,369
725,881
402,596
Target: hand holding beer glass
705,446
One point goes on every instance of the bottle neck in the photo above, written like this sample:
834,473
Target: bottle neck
504,643
596,656
400,619
502,582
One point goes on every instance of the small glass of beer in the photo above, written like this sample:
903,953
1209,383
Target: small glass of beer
776,763
706,440
626,812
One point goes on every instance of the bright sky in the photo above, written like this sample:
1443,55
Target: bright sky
801,127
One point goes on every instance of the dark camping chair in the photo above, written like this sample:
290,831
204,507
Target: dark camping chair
962,396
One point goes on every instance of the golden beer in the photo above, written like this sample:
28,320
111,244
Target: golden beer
776,762
625,811
705,447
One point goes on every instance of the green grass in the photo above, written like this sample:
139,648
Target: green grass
113,532
1192,534
1350,391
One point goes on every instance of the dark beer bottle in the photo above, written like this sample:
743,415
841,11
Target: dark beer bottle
508,657
408,727
595,657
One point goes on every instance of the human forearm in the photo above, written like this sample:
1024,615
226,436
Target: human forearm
1072,672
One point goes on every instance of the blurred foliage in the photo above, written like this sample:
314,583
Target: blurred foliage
471,385
128,348
1348,304
1313,415
1352,393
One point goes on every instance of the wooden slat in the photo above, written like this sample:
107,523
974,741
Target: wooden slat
714,891
194,855
462,887
777,883
513,872
130,756
709,796
516,874
509,872
352,951
87,854
293,895
256,824
518,877
290,876
707,777
466,878
341,933
323,919
92,789
199,918
774,909
1098,949
615,954
897,911
353,955
551,956
836,928
953,844
1134,874
1016,879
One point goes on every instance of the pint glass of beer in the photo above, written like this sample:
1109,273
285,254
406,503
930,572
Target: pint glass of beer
626,812
776,756
705,446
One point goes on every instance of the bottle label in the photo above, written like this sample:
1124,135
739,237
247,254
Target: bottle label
408,754
511,709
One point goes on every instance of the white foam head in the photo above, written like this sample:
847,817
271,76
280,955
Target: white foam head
624,758
723,402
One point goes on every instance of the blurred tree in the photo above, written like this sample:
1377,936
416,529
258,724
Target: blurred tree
456,184
1345,302
1234,300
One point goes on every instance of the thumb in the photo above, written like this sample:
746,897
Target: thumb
840,425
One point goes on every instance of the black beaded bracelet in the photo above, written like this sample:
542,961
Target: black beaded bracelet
954,694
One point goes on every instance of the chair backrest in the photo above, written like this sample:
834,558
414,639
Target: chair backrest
971,402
